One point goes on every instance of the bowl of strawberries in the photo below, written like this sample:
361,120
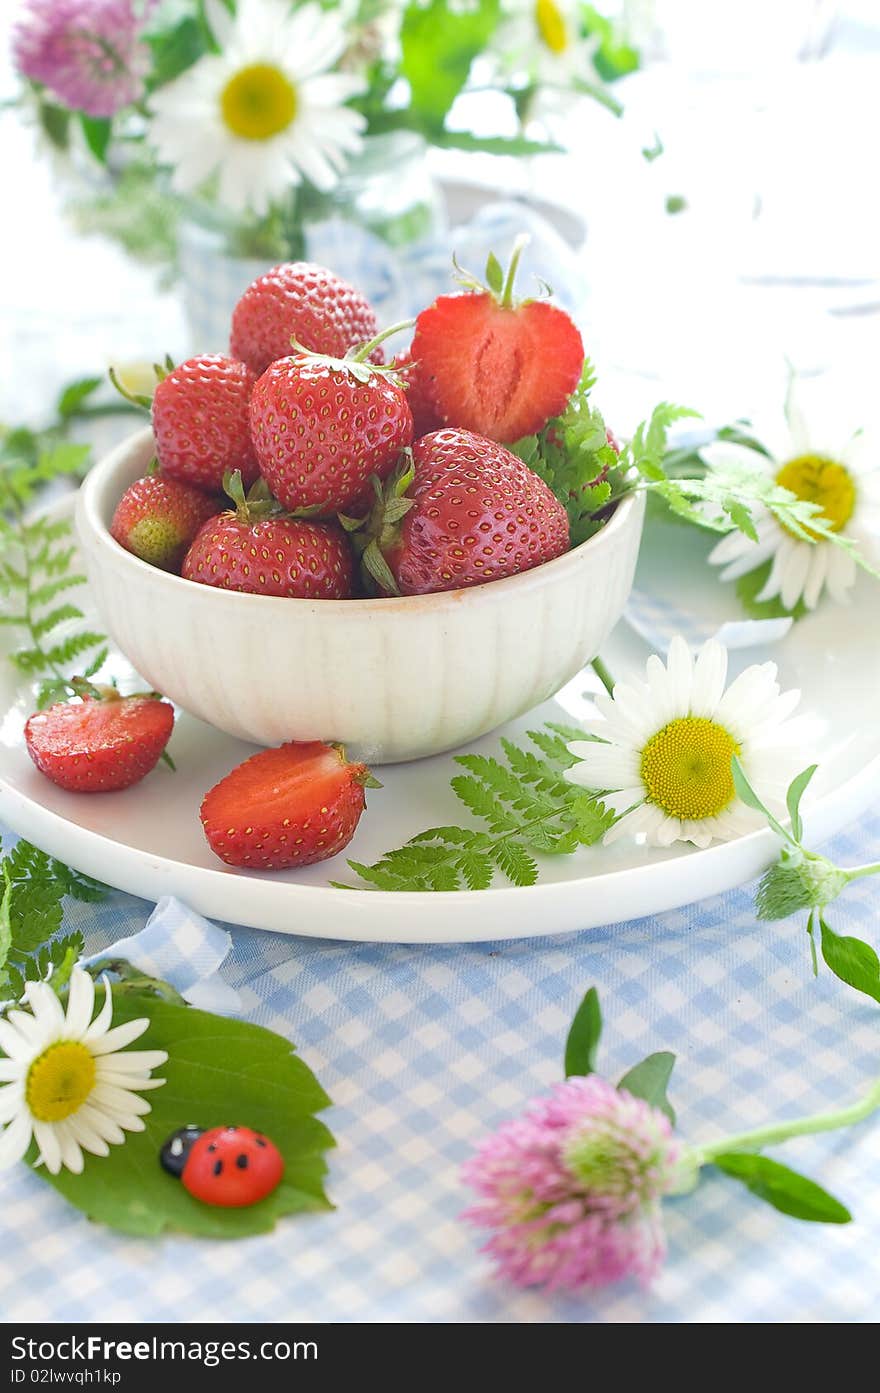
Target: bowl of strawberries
309,544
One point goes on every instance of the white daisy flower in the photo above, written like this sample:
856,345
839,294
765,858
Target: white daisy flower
662,761
543,38
265,113
823,466
67,1080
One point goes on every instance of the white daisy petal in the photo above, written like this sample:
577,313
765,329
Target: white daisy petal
43,1002
841,575
710,675
88,1136
11,1097
105,1015
109,1097
131,1062
12,1042
816,576
15,1140
71,1154
80,1004
794,576
46,1137
119,1036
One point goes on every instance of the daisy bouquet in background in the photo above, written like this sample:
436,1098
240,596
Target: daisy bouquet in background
572,1191
261,109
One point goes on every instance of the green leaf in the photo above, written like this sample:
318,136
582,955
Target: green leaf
796,790
175,49
5,920
54,123
438,46
75,393
97,131
583,1038
853,961
494,274
749,587
614,57
219,1071
787,1191
650,1080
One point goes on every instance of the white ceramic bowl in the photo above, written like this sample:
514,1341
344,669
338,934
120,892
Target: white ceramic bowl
392,679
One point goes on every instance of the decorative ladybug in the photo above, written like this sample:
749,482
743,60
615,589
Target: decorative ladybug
227,1166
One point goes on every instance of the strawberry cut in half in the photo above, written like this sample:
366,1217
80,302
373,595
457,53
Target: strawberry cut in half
301,301
461,511
495,365
287,807
261,550
322,427
101,744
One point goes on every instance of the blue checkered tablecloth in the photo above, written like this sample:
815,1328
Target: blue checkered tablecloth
424,1049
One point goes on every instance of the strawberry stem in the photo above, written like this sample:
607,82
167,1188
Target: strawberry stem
365,349
519,247
135,398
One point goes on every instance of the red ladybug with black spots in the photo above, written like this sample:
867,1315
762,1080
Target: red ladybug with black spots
227,1166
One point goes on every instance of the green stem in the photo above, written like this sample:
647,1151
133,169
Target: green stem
366,349
858,871
801,1127
519,247
603,675
811,927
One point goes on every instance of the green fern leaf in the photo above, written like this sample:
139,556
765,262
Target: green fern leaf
514,861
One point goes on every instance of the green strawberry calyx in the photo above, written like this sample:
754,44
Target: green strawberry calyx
355,360
497,282
377,533
361,773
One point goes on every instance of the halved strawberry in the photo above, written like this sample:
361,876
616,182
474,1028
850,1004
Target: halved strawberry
493,365
101,744
287,807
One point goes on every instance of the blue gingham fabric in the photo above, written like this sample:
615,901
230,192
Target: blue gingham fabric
658,620
423,1049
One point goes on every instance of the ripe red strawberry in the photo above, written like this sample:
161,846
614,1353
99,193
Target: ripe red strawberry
286,807
257,549
494,365
475,513
424,412
156,519
302,301
200,422
322,427
103,743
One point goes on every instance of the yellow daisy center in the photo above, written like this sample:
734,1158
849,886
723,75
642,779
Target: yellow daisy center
60,1080
686,768
816,479
551,25
258,102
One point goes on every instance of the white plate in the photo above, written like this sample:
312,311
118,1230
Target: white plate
149,841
